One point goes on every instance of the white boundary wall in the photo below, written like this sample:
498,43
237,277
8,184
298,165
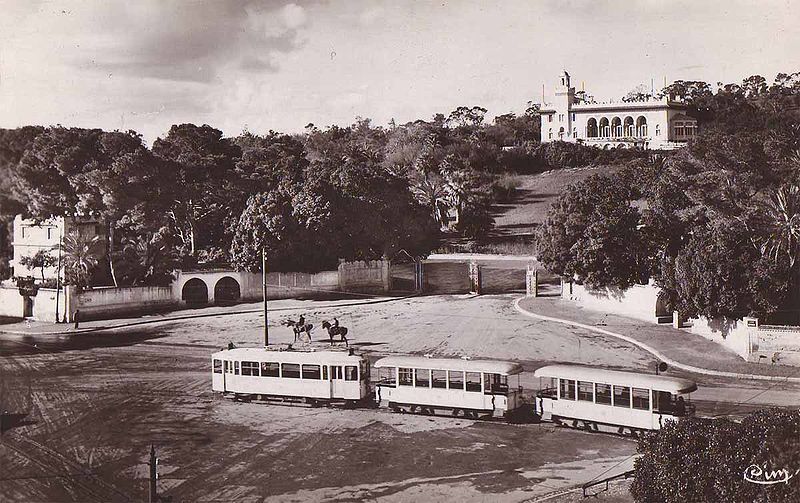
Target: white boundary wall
638,301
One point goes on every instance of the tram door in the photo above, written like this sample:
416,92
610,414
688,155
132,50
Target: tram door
337,381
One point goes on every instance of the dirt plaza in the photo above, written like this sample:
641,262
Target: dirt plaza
87,407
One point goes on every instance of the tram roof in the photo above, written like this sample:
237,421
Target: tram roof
633,379
420,362
292,356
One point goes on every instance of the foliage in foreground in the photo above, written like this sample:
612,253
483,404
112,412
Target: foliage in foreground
706,461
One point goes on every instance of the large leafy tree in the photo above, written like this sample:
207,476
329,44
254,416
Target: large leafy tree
204,163
110,175
592,234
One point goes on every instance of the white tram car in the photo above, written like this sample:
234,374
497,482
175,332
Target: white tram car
309,376
609,400
472,388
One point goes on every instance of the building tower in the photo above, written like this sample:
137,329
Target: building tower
564,99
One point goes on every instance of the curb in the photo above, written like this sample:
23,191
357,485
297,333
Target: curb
81,331
655,352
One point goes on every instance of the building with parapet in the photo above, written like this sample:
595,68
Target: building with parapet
31,236
658,124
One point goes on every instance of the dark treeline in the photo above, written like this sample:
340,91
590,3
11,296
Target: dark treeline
715,224
307,200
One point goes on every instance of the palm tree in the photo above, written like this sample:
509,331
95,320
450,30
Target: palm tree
81,255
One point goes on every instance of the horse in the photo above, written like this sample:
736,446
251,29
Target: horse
298,329
334,331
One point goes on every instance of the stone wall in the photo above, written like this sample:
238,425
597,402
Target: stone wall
369,276
638,301
42,305
100,303
287,285
731,334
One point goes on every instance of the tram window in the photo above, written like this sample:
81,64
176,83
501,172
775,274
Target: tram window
622,396
641,399
311,372
603,394
387,375
406,377
351,373
270,369
337,373
495,382
585,391
567,389
217,366
473,381
290,370
455,379
236,368
439,378
422,378
249,368
324,372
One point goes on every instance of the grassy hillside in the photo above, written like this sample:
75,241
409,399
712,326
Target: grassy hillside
516,220
534,197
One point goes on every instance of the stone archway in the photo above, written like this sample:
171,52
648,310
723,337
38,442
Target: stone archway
195,292
227,291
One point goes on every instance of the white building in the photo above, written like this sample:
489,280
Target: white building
31,236
659,124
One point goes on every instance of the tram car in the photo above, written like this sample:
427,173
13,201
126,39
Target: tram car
313,377
470,388
609,400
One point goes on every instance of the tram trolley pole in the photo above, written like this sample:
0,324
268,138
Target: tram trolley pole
153,464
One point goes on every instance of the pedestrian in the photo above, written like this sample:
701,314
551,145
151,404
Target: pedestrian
76,316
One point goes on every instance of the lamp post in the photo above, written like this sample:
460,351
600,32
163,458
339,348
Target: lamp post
264,290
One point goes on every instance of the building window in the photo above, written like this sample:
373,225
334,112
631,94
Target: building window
549,137
560,117
658,130
23,231
549,117
573,116
574,132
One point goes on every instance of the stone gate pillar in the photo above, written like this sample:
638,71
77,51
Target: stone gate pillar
474,278
532,281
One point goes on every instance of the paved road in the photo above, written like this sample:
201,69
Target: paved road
96,401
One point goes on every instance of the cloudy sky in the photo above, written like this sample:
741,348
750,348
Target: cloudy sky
261,65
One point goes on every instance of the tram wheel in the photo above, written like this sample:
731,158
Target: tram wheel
455,412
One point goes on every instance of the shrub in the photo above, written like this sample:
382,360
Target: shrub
703,460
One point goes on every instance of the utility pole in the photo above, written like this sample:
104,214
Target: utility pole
264,290
58,272
153,497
